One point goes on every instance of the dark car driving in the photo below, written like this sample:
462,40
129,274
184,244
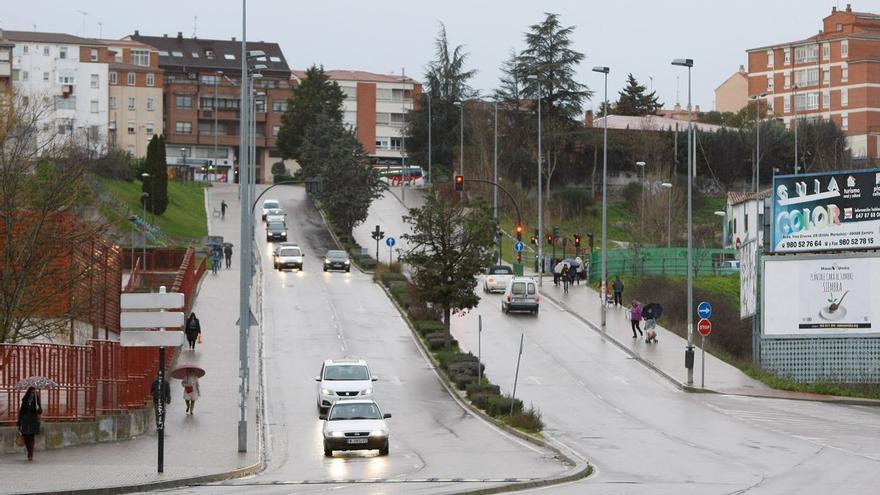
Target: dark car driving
276,231
336,260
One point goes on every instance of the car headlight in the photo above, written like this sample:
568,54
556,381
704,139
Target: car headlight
346,262
326,261
326,391
367,391
379,433
337,434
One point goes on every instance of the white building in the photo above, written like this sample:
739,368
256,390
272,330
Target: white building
67,77
741,218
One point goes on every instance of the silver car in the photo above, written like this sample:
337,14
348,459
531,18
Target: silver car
343,378
270,204
356,424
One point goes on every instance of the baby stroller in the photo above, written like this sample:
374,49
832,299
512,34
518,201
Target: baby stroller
650,313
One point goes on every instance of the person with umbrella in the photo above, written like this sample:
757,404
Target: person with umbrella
189,379
29,419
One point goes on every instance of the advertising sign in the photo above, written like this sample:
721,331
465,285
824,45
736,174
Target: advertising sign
820,295
748,278
826,212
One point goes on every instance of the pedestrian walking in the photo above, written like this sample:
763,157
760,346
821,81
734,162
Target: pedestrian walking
617,285
557,271
223,207
566,277
635,316
156,389
29,419
192,330
579,271
216,257
191,392
227,253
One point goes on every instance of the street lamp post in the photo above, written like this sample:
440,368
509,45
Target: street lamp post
429,138
668,185
795,121
689,351
642,175
603,288
144,196
460,105
144,177
540,241
495,172
757,99
183,157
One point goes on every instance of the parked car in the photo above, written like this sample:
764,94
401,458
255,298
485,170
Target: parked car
355,425
343,378
276,215
337,260
497,278
276,231
270,204
289,257
521,294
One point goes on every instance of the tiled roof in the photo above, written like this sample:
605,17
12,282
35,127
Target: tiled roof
226,53
737,197
358,75
39,37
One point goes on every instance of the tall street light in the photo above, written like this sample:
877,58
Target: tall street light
145,176
539,241
689,351
642,175
795,122
603,288
247,231
185,168
430,179
757,100
144,197
495,173
668,186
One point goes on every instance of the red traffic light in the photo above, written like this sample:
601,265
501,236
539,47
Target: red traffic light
459,182
519,231
577,240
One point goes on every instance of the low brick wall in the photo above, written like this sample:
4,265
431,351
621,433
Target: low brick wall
109,428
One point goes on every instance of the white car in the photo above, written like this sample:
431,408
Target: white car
343,379
276,215
497,278
289,257
521,294
355,425
270,204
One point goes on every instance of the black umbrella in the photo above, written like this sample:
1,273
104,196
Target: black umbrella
652,311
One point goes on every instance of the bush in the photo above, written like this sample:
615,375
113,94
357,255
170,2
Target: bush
462,380
466,367
388,277
483,389
529,420
116,164
448,357
424,327
437,341
500,406
281,178
367,263
480,400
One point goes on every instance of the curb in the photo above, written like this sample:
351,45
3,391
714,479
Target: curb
580,470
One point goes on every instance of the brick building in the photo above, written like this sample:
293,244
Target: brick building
831,75
733,94
202,85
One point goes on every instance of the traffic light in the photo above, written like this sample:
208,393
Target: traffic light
590,240
534,240
519,231
577,240
459,183
555,232
549,238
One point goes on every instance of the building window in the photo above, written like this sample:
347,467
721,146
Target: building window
183,101
151,79
350,92
769,86
195,54
806,77
140,57
117,56
113,78
94,81
786,103
211,80
177,54
844,74
46,51
826,51
260,106
349,118
771,103
68,103
786,56
94,106
807,101
93,55
383,143
275,130
826,76
229,56
131,78
150,128
62,52
839,26
844,49
806,54
111,125
151,104
130,126
45,77
209,53
24,75
67,79
844,121
826,99
844,97
787,79
397,119
770,58
183,127
395,143
279,106
132,104
112,101
24,49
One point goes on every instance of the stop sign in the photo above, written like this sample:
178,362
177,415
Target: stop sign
704,327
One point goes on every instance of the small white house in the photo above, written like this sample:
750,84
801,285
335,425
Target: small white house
741,218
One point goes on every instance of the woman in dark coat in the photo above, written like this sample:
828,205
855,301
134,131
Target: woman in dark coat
193,330
29,419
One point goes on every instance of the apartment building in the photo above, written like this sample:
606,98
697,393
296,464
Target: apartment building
6,47
733,94
67,75
375,106
202,85
135,105
834,75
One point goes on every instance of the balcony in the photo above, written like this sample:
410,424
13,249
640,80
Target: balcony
222,114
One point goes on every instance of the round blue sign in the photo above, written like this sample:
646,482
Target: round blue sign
704,310
519,246
390,242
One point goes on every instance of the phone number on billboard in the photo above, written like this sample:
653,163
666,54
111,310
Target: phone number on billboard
845,241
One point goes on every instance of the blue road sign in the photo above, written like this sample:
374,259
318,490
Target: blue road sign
495,238
390,242
704,310
519,246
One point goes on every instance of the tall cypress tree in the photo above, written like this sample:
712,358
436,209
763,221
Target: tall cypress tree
160,176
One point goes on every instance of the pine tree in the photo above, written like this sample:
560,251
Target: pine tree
634,99
315,95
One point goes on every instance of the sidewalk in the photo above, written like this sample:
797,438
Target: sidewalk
202,447
667,356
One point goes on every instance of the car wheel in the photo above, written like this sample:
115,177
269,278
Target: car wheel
503,308
325,268
485,289
347,270
536,311
327,452
384,450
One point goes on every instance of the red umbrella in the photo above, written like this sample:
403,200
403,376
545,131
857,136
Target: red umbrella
181,371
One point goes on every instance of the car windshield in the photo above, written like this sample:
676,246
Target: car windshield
276,226
271,204
337,255
342,411
500,270
291,252
346,372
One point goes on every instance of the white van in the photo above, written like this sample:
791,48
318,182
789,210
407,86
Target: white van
521,294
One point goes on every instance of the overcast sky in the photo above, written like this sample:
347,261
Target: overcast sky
385,36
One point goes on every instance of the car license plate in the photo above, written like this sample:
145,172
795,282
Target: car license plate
357,440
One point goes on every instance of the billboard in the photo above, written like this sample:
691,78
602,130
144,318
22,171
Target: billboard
815,295
748,278
826,212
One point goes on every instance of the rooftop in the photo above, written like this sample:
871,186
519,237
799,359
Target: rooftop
359,75
737,197
196,53
56,38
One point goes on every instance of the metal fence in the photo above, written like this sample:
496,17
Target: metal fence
662,261
823,359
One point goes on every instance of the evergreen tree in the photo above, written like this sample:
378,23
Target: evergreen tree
160,176
635,100
315,95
